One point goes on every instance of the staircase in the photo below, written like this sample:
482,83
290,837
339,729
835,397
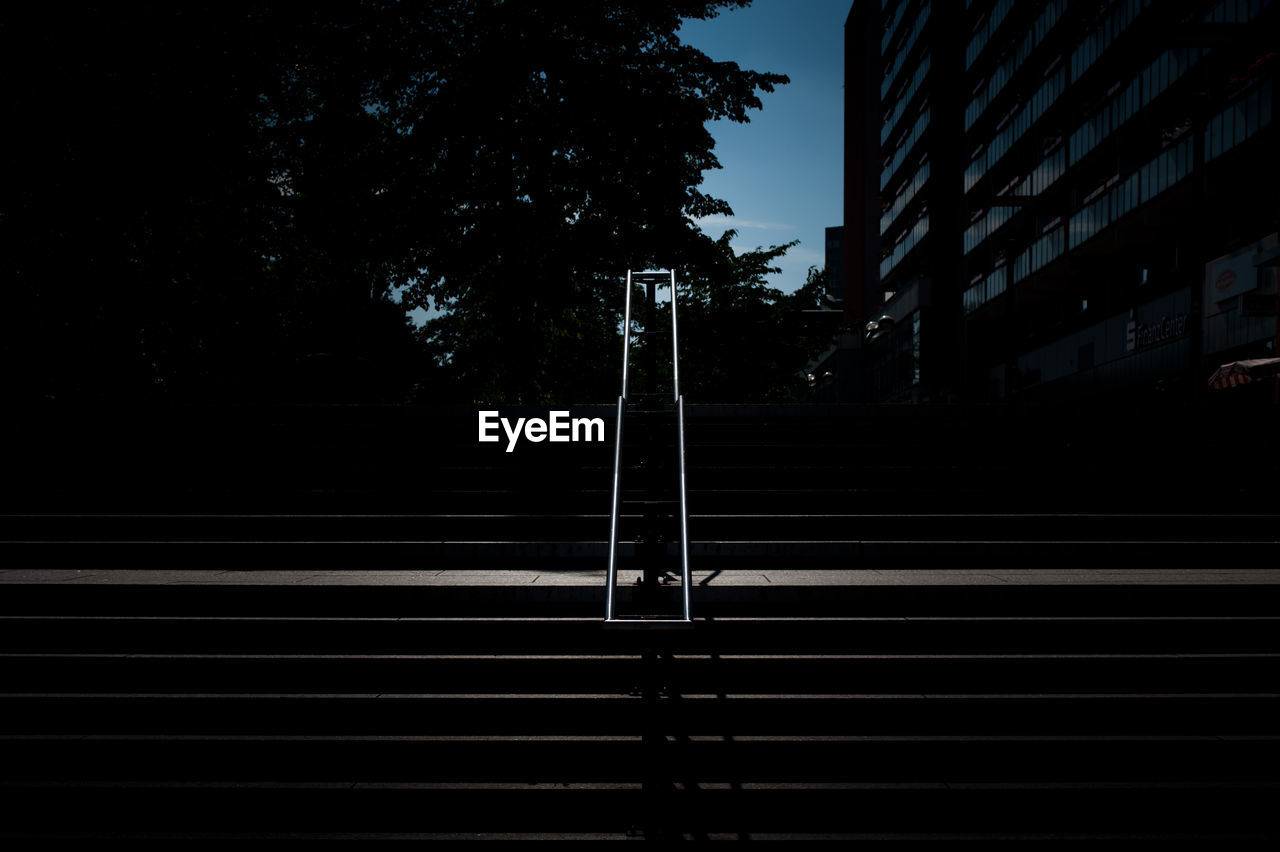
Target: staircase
908,623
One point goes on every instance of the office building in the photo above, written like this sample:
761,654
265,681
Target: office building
1076,198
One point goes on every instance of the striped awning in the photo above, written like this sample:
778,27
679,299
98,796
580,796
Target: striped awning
1243,372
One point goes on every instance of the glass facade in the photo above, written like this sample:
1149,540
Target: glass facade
1142,89
909,240
1240,120
1004,73
918,27
1040,253
1236,11
891,123
1045,174
1167,168
1167,68
1099,126
985,290
904,148
892,30
1097,42
1100,213
915,348
1152,178
896,364
1131,129
993,20
1147,342
1013,130
987,223
907,193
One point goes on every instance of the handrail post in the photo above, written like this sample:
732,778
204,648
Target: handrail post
626,336
613,515
675,342
686,576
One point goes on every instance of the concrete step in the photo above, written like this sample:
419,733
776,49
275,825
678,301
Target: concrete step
1119,714
857,811
406,759
552,557
973,592
908,624
784,673
529,526
551,636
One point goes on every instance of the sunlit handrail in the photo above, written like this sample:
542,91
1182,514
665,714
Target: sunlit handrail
617,458
626,337
686,578
675,347
613,515
685,574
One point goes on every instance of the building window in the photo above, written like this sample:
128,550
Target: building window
908,192
1240,120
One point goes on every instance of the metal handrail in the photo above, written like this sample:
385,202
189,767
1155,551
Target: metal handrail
626,337
613,516
686,578
685,574
617,458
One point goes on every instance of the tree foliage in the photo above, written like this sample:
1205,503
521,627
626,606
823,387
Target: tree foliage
244,199
743,340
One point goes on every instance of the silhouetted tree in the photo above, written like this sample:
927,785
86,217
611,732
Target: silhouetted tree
135,217
243,199
583,129
743,340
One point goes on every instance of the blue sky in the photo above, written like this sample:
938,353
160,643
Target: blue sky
782,173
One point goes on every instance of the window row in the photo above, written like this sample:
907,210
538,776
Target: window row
978,104
1098,215
990,222
1167,168
986,290
1154,177
1040,253
908,241
1099,126
1004,73
886,129
915,348
892,29
907,193
1158,174
1096,43
1236,11
1167,68
1044,97
994,18
1143,89
1238,122
1044,175
887,85
904,148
